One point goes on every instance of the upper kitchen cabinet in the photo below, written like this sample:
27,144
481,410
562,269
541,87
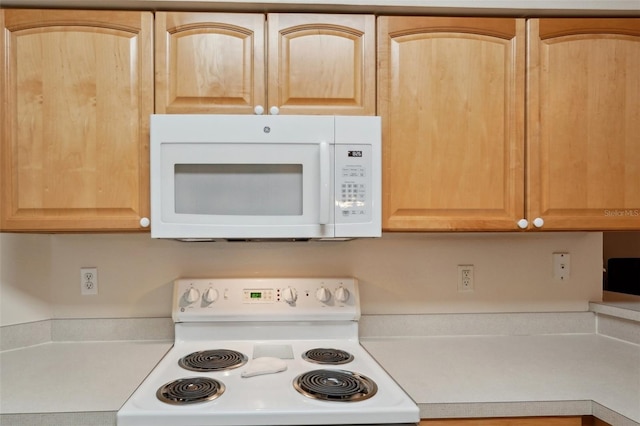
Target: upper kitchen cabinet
451,96
77,92
584,123
322,64
216,63
209,62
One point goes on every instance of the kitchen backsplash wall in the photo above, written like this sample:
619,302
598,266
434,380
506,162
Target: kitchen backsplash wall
398,273
25,278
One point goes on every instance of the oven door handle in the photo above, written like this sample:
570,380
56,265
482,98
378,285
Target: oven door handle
325,180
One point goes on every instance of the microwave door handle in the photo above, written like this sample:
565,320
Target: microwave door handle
325,180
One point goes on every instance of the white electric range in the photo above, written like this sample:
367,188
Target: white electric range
257,352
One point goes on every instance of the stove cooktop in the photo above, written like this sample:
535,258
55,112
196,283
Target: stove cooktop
210,360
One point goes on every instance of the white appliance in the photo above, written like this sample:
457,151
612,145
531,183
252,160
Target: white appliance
265,177
257,352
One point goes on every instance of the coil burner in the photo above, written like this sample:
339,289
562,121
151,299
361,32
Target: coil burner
327,356
335,385
190,390
213,360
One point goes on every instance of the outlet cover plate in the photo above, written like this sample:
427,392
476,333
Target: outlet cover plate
88,281
561,266
465,278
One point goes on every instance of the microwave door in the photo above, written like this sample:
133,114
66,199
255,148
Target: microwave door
246,190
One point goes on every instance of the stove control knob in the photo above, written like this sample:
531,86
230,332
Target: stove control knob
211,295
323,294
192,295
342,294
290,295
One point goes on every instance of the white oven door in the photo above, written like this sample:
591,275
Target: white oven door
259,184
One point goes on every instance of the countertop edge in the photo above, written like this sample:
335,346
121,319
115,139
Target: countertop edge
506,409
607,308
427,411
523,409
84,418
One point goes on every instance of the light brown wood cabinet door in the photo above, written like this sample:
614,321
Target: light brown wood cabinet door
216,63
209,62
77,92
451,97
584,123
322,64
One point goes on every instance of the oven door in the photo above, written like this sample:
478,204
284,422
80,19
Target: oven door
242,177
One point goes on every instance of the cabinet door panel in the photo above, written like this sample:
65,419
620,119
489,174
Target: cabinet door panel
322,64
451,94
78,94
209,62
584,104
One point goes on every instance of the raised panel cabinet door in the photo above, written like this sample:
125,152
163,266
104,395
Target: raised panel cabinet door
209,62
451,97
322,64
584,123
77,92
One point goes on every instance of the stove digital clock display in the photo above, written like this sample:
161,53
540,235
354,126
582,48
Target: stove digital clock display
258,295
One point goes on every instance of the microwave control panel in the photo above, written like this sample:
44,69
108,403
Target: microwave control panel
353,183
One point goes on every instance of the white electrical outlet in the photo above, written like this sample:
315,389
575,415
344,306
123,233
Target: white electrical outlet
465,278
88,281
561,266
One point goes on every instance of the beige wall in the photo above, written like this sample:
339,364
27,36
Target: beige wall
399,273
25,278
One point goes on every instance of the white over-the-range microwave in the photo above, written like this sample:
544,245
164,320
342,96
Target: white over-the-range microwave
262,177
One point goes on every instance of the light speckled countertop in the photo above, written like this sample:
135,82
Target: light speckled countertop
51,374
536,375
73,376
485,365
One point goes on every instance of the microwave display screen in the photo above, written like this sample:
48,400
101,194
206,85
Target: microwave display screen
239,189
